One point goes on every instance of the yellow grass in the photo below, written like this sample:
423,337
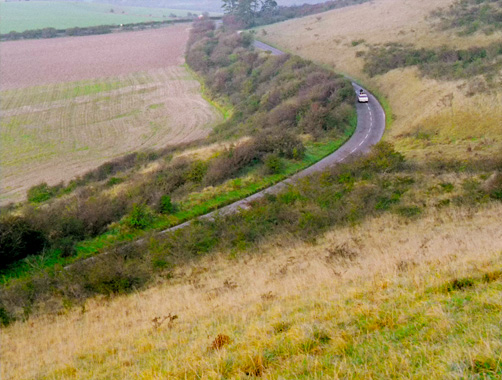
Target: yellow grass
55,132
246,297
418,104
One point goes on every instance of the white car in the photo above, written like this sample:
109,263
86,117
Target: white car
362,97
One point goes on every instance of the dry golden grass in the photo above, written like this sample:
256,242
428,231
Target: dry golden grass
418,104
243,298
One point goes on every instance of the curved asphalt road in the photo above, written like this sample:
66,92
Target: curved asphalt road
369,131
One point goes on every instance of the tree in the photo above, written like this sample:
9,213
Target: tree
268,6
247,11
229,6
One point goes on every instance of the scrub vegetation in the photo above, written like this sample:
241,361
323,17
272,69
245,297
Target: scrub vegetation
286,124
470,16
440,63
276,329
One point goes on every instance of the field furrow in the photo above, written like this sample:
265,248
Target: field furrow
55,131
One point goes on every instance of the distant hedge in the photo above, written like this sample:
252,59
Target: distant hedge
439,63
90,30
471,16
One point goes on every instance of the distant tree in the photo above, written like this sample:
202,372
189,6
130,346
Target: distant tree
229,6
247,11
268,6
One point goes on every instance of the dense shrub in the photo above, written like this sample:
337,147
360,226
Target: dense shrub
267,92
140,217
197,171
231,162
343,195
18,239
283,143
42,192
470,16
440,63
166,206
273,164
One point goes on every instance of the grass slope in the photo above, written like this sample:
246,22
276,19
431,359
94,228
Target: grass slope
389,298
21,16
432,117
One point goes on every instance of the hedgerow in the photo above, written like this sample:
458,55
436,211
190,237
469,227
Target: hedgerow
470,16
383,181
439,63
275,100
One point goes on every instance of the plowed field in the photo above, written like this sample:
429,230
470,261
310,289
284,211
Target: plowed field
35,62
68,105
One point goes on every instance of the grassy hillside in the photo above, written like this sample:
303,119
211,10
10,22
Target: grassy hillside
388,298
20,16
388,266
453,109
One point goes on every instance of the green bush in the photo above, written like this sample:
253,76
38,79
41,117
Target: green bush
197,171
5,318
166,205
114,181
140,217
43,192
18,239
273,164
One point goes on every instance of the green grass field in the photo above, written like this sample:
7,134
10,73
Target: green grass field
21,16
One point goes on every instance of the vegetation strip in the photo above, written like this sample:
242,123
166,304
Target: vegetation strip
269,106
439,63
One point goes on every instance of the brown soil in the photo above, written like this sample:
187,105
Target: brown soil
35,62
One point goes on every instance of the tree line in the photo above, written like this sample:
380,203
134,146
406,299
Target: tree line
249,13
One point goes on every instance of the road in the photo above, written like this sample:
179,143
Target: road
369,131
